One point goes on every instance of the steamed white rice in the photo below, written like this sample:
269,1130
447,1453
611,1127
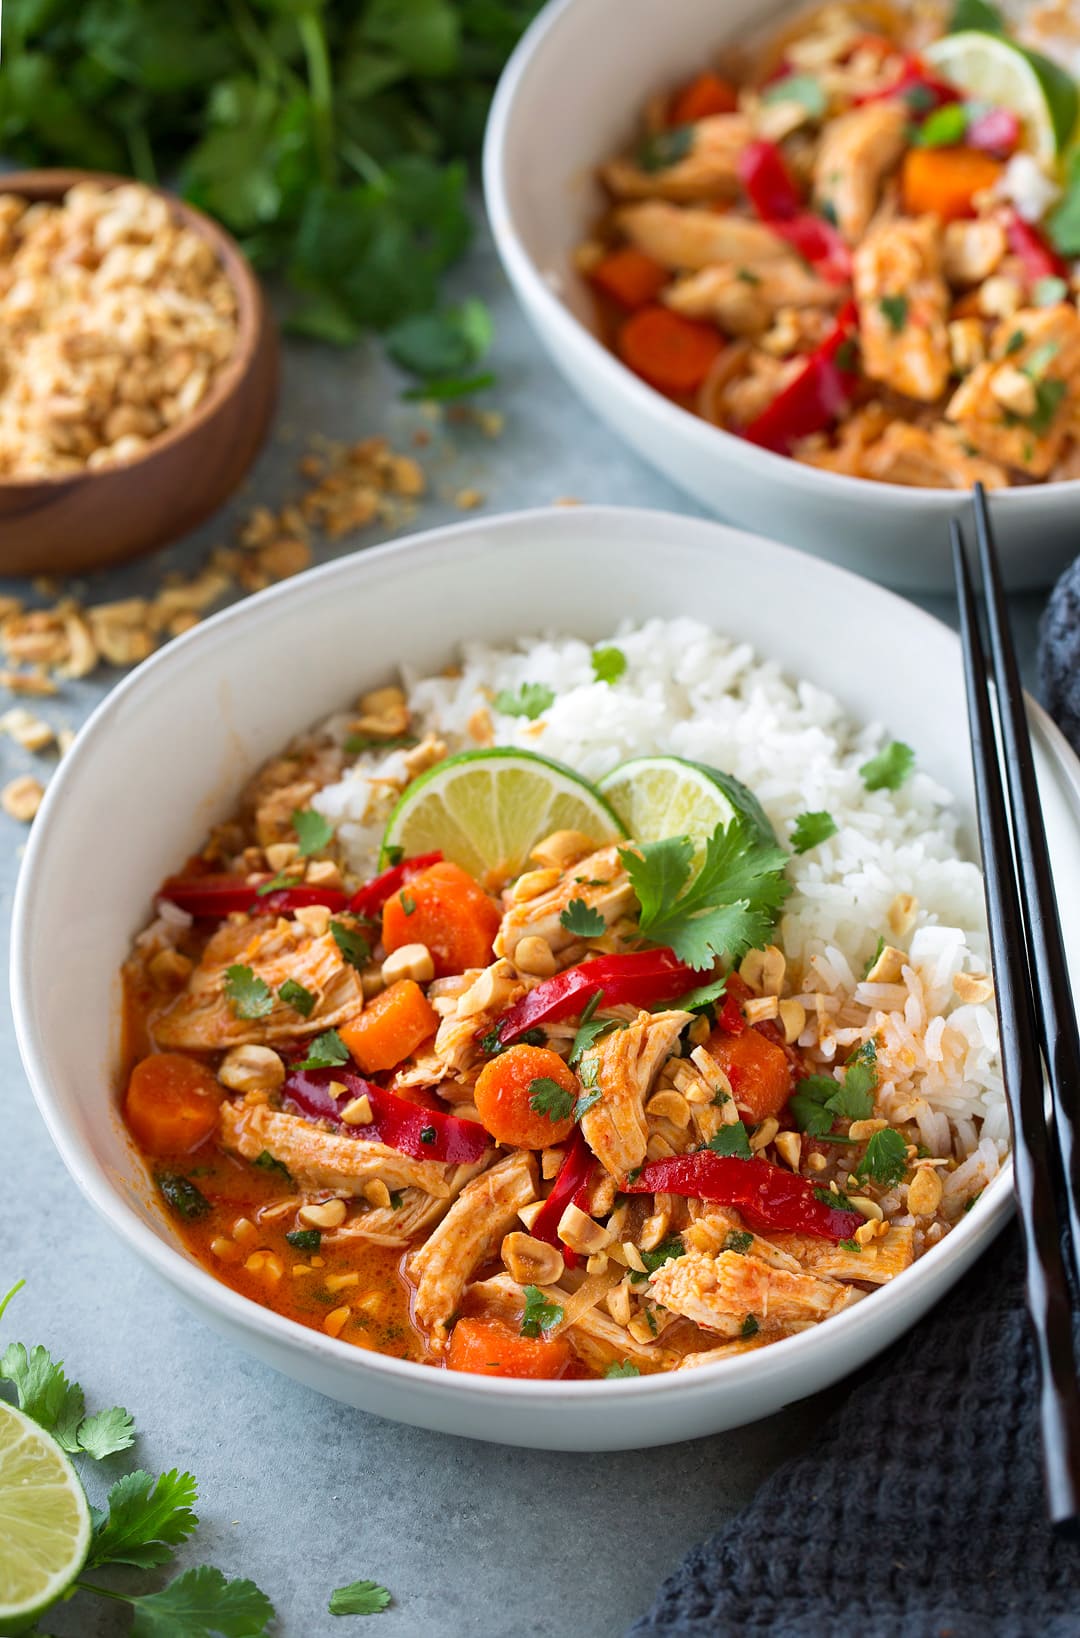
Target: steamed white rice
690,692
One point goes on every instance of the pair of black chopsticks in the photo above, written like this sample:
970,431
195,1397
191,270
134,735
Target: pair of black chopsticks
1035,1008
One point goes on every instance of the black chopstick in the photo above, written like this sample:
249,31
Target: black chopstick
1053,992
1048,1298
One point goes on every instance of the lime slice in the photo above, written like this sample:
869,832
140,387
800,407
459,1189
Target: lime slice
44,1521
998,71
486,810
659,796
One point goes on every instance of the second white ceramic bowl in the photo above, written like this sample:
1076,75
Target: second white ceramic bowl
166,754
569,98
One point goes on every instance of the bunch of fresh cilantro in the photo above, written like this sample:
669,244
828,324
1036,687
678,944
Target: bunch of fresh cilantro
330,136
145,1518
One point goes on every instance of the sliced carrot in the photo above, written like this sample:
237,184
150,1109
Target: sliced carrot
171,1103
390,1027
445,909
759,1071
503,1091
630,277
667,350
706,95
489,1347
944,181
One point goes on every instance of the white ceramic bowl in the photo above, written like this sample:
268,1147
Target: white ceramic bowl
167,752
569,98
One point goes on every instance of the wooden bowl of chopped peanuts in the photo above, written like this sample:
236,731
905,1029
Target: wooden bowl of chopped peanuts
138,369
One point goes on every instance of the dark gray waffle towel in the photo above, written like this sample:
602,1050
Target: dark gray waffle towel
919,1511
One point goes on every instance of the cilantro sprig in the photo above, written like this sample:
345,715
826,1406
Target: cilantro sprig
582,921
889,769
540,1316
811,829
359,1598
326,1051
547,1097
608,664
819,1100
59,1406
885,1160
728,908
248,995
531,700
313,832
732,1140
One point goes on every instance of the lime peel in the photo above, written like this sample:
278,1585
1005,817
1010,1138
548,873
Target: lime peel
44,1521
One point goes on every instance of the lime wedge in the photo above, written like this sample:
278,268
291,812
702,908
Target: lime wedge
486,810
44,1521
991,69
659,796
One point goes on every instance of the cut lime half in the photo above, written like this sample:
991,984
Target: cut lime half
994,70
44,1521
660,796
486,810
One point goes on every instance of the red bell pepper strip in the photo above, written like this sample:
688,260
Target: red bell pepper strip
771,190
817,397
219,895
369,899
639,979
768,1197
425,1134
569,1188
918,87
1039,259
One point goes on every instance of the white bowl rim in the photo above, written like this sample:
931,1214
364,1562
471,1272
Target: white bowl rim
195,1282
680,422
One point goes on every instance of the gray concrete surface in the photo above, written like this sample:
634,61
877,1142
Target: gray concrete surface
299,1493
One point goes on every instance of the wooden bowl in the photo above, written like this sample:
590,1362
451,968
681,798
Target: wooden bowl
83,520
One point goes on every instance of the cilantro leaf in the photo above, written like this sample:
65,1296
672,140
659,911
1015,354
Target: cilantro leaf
664,148
181,1195
304,1239
804,89
663,1253
354,947
614,1372
531,700
885,1159
588,1029
443,348
888,770
732,1140
586,1101
45,1394
294,995
313,832
106,1432
749,1327
359,1598
146,1519
326,1051
267,1162
738,1240
539,1315
275,884
729,908
582,921
811,829
608,664
818,1100
248,996
548,1098
942,128
703,996
850,1245
978,15
201,1603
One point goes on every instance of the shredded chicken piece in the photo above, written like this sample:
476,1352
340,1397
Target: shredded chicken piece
470,1233
692,240
599,879
875,1264
745,303
857,152
903,307
319,1159
202,1018
597,1339
417,1213
1039,347
474,1013
929,457
719,1292
709,170
625,1064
